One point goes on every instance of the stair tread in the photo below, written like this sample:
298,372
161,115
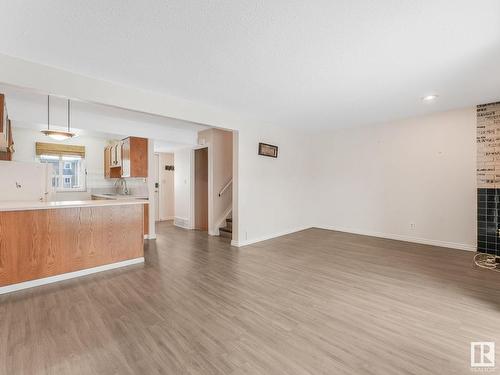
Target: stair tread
226,230
229,220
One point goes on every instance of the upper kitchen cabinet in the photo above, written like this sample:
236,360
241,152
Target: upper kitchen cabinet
127,158
134,157
6,141
111,171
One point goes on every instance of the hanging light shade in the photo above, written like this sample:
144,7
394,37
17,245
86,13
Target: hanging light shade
58,135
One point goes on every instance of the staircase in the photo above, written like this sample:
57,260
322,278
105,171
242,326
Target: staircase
227,231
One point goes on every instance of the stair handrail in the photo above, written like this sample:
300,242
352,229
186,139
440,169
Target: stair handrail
226,186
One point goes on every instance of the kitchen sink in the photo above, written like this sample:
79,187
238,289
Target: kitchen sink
121,196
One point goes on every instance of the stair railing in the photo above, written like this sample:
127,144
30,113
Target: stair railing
226,186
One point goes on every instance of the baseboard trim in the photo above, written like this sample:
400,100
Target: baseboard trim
167,218
398,237
70,275
150,236
181,223
267,237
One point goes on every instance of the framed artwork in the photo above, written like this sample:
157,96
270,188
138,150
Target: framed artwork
268,150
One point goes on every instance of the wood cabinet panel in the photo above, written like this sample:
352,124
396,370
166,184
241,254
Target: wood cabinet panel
115,172
139,157
41,243
135,157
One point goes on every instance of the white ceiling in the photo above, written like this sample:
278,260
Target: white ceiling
310,63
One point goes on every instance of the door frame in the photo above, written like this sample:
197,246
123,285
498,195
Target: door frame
156,162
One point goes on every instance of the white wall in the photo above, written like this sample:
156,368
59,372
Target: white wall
182,187
275,195
378,180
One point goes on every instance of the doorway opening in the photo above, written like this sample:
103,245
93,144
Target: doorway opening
201,189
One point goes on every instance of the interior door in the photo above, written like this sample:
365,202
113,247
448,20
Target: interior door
201,189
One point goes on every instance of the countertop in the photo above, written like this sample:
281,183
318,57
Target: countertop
33,205
120,196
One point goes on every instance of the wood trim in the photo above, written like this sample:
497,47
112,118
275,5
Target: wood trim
43,148
42,243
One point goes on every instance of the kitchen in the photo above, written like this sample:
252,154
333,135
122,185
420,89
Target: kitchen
76,201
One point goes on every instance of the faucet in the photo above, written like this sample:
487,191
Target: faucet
123,186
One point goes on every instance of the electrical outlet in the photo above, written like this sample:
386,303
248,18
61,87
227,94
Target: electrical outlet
413,226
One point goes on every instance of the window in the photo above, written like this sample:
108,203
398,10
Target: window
67,182
67,164
68,172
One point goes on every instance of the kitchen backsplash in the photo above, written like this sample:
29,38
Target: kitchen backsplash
136,186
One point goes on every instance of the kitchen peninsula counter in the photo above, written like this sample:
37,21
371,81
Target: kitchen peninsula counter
29,205
43,242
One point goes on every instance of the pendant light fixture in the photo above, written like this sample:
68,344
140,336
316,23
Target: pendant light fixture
58,135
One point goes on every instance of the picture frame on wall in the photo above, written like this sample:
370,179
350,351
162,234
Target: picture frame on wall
268,150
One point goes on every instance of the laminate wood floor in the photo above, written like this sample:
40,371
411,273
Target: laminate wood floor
314,302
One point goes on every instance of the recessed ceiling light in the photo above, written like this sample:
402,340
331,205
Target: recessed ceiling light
430,98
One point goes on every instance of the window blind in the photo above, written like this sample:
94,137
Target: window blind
59,149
